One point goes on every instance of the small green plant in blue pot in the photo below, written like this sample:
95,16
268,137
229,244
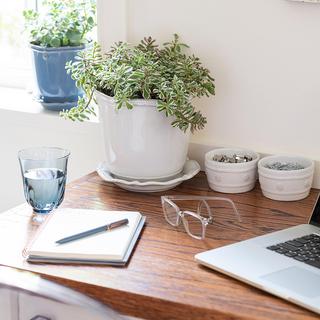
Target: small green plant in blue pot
57,34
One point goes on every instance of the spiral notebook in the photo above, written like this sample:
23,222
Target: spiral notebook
112,247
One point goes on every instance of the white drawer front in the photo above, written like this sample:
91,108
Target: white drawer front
8,304
31,306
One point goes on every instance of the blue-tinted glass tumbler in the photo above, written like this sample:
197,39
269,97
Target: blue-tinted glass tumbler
44,173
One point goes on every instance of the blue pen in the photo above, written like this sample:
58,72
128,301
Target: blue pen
87,233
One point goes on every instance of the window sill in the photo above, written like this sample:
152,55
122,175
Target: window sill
15,100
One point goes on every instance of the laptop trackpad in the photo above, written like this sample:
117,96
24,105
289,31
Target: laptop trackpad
301,281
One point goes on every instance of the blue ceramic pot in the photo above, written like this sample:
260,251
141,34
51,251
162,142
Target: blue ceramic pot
54,88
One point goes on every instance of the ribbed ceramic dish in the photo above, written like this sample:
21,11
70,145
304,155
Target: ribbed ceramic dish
190,169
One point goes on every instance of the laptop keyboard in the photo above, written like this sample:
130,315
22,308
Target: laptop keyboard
305,249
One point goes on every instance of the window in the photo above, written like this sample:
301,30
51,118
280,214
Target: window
15,56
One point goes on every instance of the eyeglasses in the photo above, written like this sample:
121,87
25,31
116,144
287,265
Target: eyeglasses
195,223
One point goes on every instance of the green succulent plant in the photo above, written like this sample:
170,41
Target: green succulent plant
143,71
60,23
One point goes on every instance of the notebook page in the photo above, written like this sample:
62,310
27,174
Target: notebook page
108,245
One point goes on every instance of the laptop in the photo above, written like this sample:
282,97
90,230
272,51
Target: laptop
284,263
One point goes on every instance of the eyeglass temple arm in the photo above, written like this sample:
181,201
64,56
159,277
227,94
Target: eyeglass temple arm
234,208
204,198
222,199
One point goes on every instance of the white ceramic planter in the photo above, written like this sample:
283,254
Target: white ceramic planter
231,177
285,185
141,143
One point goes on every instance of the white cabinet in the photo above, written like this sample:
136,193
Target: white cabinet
32,306
8,304
25,296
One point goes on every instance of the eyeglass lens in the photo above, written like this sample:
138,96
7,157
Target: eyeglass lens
193,225
204,209
171,212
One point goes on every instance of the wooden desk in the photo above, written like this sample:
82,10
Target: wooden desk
162,281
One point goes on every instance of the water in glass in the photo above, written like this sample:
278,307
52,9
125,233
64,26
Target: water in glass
44,188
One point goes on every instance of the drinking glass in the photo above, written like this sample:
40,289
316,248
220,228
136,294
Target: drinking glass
44,172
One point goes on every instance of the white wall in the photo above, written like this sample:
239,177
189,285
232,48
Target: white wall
33,127
264,55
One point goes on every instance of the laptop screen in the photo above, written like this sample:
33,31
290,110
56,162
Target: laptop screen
315,219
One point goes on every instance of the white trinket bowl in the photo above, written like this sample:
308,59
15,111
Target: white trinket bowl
231,177
285,185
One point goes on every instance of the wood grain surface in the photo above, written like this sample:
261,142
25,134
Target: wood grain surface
162,280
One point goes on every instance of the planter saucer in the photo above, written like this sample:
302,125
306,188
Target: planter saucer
190,169
58,106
